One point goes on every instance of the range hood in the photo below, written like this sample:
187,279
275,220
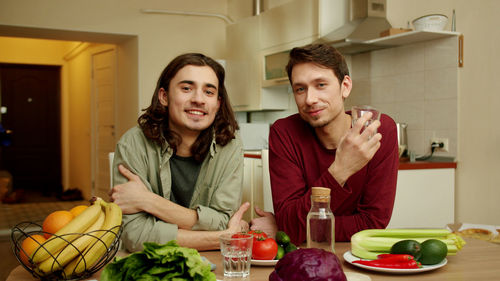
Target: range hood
367,19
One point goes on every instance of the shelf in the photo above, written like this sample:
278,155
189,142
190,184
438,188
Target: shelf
282,81
350,47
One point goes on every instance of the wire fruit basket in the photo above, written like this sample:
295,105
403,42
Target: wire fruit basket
24,230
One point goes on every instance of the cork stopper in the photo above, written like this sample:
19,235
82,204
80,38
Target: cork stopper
320,194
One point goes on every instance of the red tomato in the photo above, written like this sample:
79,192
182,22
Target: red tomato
258,234
243,244
264,249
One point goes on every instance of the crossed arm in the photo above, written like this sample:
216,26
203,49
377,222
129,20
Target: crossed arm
134,197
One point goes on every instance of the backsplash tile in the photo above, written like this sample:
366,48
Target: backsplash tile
410,58
383,90
412,113
441,53
409,86
414,84
441,83
440,114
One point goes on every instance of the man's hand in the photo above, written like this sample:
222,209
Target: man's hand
130,196
236,223
266,223
355,149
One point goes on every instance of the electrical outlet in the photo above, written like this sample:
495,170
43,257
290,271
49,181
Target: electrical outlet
439,140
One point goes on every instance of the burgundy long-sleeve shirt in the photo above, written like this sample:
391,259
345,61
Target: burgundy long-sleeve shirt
298,161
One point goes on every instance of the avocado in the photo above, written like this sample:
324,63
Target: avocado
410,247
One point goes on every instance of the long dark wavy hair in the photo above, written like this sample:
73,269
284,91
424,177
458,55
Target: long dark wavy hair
154,121
320,54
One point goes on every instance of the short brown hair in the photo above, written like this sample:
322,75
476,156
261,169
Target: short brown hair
154,121
320,54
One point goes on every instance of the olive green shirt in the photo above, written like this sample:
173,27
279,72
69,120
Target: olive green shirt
216,196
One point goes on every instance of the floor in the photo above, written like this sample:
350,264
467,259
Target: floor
35,209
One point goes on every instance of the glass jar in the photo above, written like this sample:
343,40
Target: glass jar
320,221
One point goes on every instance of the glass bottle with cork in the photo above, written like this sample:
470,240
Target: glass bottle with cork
320,221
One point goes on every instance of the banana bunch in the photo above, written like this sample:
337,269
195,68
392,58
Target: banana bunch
80,243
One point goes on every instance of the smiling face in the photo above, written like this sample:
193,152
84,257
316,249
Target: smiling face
318,93
192,99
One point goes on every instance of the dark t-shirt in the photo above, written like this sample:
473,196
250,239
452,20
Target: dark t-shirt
184,171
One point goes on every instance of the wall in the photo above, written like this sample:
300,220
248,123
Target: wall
159,37
477,177
80,127
79,70
145,44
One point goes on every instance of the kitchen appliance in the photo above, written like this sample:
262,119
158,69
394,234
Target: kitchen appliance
365,21
402,139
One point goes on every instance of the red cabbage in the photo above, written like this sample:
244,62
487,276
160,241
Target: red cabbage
308,265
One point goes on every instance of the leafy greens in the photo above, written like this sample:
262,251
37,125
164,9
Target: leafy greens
159,262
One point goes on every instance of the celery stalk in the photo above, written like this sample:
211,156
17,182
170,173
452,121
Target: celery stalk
369,243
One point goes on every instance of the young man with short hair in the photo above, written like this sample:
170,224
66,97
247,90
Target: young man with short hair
319,147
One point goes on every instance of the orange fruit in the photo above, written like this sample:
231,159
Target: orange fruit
55,221
77,210
29,245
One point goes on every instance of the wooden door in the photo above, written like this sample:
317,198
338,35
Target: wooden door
31,94
103,118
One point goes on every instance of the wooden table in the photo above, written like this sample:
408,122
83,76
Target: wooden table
478,260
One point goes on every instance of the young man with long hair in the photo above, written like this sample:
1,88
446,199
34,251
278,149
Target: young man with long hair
178,174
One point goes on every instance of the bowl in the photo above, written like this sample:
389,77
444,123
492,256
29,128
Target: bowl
433,22
22,230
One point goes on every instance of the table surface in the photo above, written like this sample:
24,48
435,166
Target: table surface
478,260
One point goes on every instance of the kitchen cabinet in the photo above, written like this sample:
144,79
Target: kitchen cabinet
293,21
244,70
251,39
252,185
425,198
242,67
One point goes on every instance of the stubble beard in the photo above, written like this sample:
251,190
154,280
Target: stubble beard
317,123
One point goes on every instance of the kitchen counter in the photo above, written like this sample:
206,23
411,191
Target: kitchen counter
478,260
407,165
404,164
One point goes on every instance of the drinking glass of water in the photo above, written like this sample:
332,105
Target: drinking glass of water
236,250
359,110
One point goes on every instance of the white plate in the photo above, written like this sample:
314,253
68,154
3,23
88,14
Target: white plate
349,257
264,262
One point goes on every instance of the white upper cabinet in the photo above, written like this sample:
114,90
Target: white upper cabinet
293,21
242,64
251,39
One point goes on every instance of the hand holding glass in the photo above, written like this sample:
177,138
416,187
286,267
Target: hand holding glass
358,111
236,250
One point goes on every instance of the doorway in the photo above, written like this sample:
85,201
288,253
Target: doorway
103,118
31,96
